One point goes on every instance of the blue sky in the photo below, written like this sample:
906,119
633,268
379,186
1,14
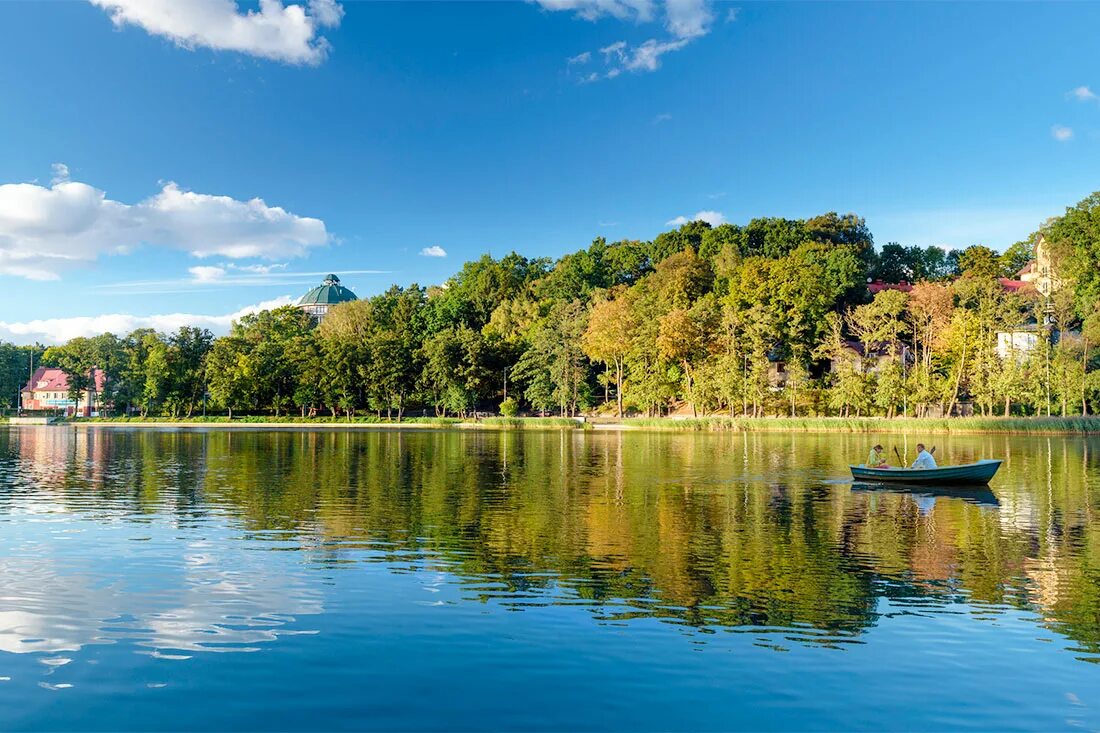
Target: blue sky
221,160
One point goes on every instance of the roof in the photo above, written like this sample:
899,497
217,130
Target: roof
878,286
1027,269
330,292
52,379
1013,286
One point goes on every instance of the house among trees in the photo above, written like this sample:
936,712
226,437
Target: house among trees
1040,271
329,293
1037,276
1019,341
48,389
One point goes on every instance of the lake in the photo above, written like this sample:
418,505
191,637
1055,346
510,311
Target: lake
412,580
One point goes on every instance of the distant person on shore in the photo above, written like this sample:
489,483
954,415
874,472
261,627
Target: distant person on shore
877,459
924,461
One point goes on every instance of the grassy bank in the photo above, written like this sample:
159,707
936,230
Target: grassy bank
1023,425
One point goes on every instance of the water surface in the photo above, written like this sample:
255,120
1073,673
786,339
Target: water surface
277,580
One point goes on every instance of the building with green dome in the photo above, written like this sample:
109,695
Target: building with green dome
317,301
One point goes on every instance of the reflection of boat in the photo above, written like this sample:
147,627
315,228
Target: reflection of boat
981,495
967,474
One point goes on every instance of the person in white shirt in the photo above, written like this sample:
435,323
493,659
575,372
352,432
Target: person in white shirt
924,460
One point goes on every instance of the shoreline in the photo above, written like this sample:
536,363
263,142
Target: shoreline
941,426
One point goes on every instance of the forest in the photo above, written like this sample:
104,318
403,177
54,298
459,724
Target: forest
774,317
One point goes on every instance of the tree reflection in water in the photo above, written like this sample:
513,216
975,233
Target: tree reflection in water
749,533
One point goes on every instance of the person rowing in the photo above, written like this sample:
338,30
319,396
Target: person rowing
925,461
877,459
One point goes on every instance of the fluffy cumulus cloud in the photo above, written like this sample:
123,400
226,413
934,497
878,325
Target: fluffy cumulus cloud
1061,133
45,231
434,251
714,218
288,33
60,330
684,20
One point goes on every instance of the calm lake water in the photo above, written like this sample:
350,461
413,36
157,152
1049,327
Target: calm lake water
540,580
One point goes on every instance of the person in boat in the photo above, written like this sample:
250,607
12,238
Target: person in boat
924,461
877,459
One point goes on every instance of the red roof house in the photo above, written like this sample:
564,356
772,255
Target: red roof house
48,389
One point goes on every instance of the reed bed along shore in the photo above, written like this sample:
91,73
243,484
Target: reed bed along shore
1007,425
1023,425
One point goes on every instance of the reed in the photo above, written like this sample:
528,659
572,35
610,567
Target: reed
529,423
1026,425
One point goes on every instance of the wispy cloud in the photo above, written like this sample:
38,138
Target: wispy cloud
60,173
434,251
684,20
257,269
716,195
663,117
714,218
60,330
1083,94
287,33
1061,133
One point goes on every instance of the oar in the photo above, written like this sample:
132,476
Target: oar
899,455
933,451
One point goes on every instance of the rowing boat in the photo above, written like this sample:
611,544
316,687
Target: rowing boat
968,473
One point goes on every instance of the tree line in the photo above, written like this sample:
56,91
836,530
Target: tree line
770,318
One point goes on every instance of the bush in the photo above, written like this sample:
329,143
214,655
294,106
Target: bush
509,408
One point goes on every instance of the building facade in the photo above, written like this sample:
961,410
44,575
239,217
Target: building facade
1040,272
329,293
48,389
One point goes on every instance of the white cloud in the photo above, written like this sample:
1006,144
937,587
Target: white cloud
206,274
434,251
60,330
615,50
1061,133
289,33
663,117
732,14
714,218
685,21
1084,94
580,58
46,231
688,18
639,11
647,57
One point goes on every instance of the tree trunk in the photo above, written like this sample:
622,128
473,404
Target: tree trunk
619,386
1084,377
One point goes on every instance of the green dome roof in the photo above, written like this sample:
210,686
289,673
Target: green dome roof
330,293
